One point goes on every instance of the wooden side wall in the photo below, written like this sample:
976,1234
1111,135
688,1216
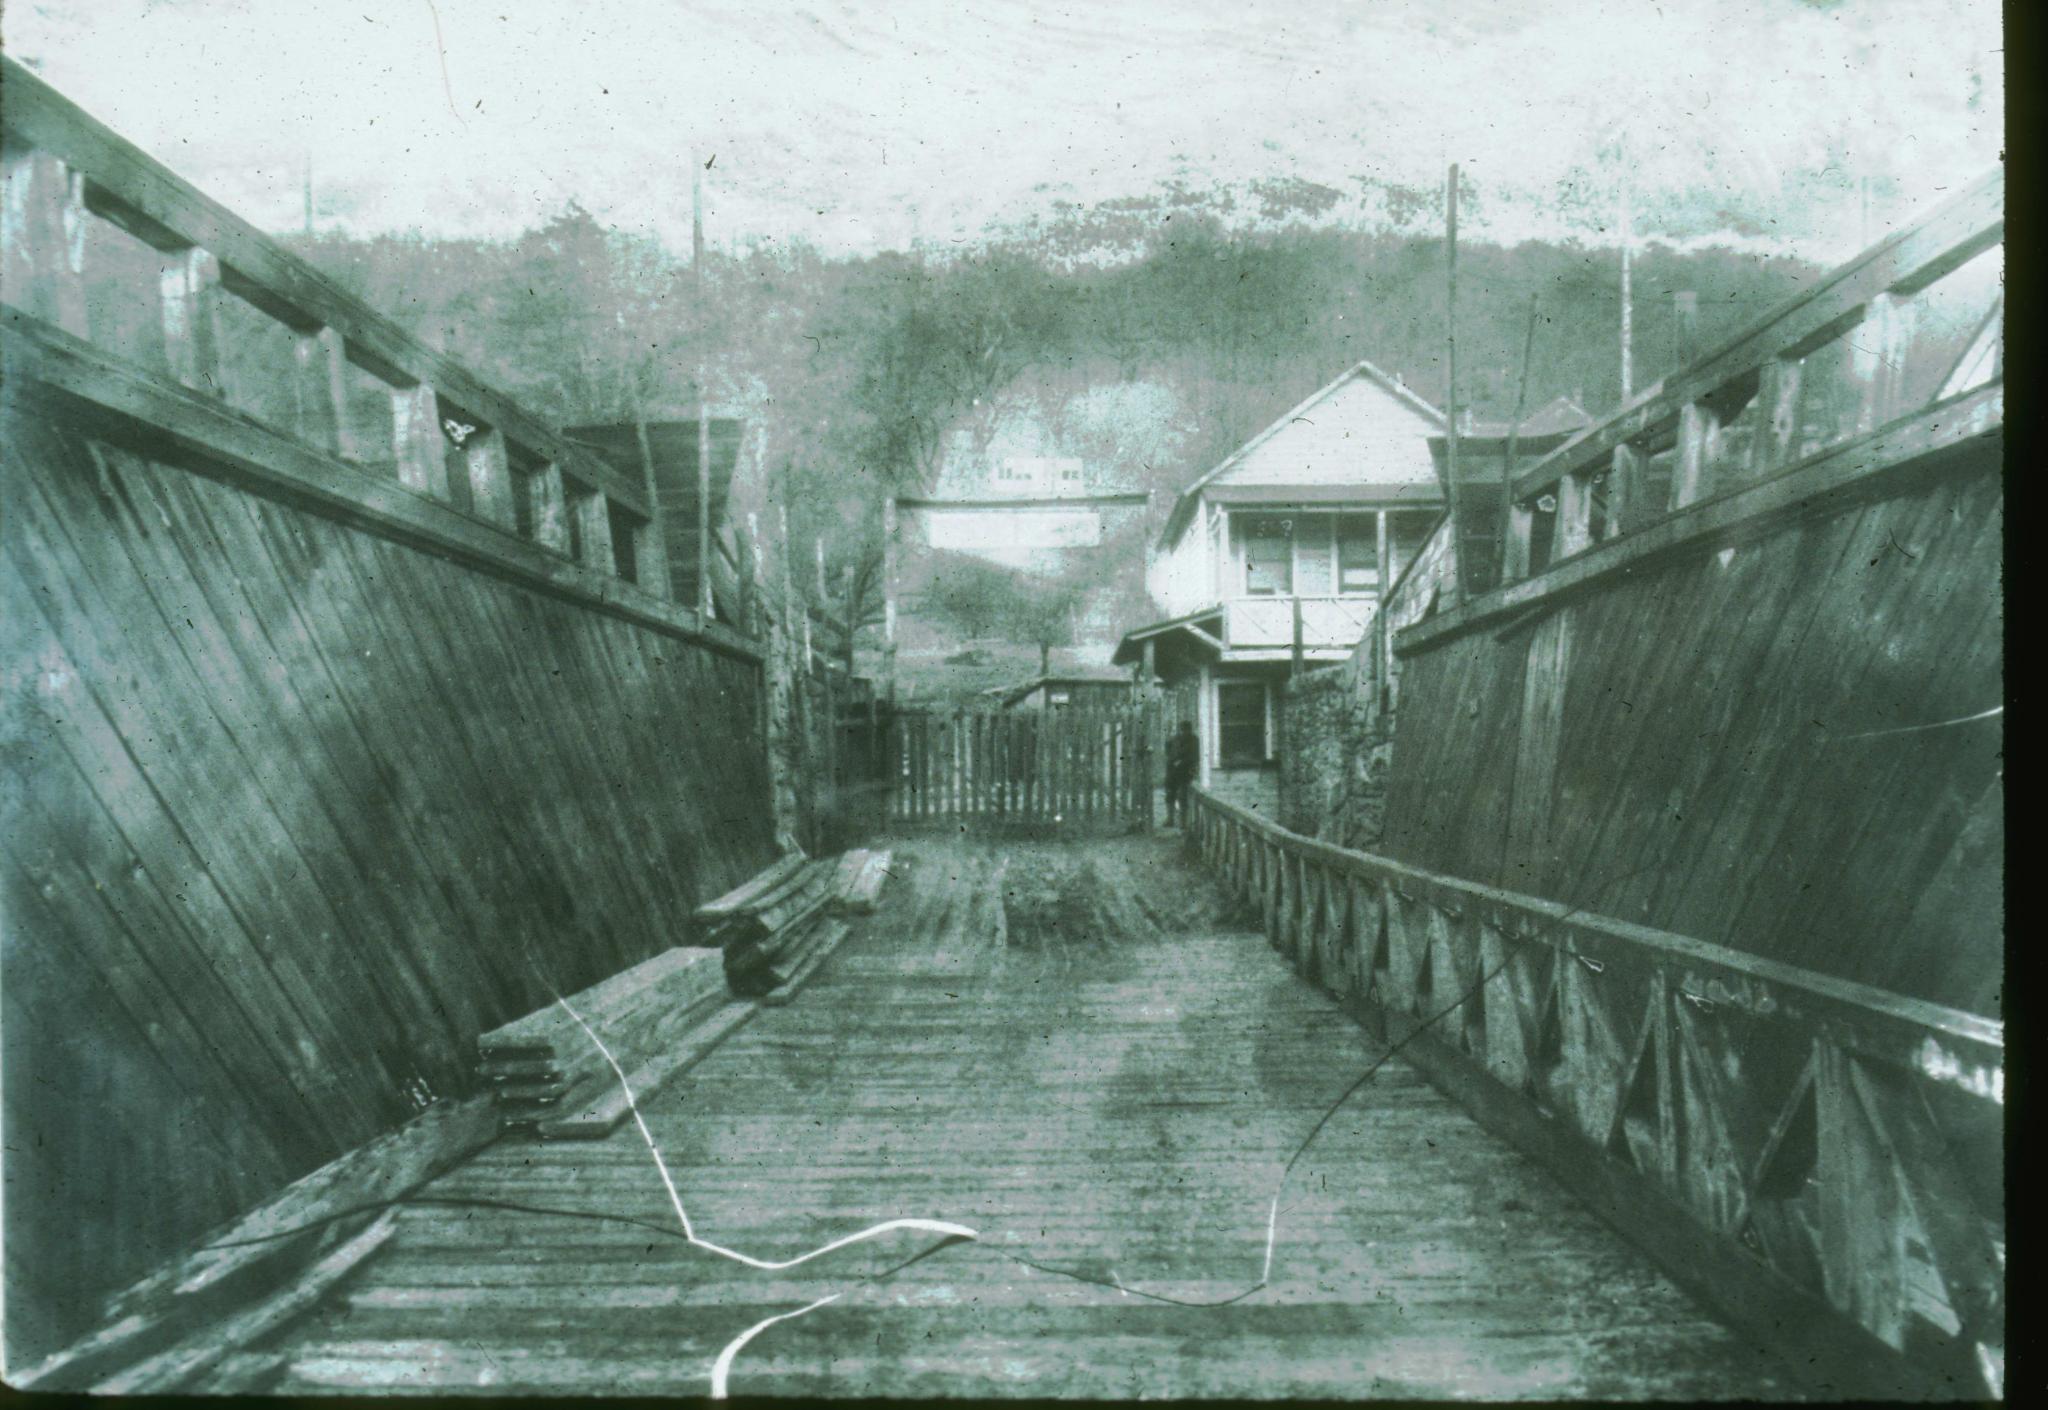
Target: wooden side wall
1767,744
293,812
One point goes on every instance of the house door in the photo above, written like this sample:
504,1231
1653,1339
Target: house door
1241,724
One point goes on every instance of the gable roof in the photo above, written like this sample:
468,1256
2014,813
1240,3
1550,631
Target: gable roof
1184,507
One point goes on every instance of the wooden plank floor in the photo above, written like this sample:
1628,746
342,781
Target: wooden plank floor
1096,1075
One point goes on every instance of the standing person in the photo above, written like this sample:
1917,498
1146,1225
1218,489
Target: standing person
1181,751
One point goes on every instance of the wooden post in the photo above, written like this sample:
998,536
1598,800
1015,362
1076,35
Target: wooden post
1698,433
1383,562
417,441
889,597
190,285
1458,507
490,477
42,227
1879,358
1295,656
550,508
594,532
319,398
1624,478
852,621
1521,527
1573,530
1776,442
650,539
1685,313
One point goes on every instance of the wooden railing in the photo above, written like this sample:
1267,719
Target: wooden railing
260,341
1895,354
1819,1159
1252,623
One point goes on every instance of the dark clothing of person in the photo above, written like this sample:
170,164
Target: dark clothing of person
1180,774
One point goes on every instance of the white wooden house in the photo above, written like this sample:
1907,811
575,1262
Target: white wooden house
1285,548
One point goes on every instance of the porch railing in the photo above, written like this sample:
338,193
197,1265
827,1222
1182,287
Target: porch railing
1819,1159
1327,623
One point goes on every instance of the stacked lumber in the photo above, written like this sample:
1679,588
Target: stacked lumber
790,976
769,926
861,876
657,1019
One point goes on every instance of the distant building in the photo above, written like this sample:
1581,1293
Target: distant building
1057,692
1293,538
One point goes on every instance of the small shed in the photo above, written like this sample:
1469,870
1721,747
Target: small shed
1064,692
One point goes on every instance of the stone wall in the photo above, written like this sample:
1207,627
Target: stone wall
1334,754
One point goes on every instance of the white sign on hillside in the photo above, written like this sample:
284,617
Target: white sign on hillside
987,531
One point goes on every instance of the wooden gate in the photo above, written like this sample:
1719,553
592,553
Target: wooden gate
1066,767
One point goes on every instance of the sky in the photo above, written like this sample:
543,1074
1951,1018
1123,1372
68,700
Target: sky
1804,124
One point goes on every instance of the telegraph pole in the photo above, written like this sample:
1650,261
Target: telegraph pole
704,603
1457,498
1628,242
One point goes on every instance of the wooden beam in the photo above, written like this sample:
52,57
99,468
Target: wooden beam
1964,227
1828,479
1958,1049
155,409
1760,1303
37,116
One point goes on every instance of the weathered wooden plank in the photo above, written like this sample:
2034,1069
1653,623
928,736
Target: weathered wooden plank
601,1117
1749,1295
40,118
41,354
181,1364
1967,224
1861,468
42,202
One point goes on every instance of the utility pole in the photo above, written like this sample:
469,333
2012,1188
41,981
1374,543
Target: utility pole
1628,242
704,604
1457,496
1521,396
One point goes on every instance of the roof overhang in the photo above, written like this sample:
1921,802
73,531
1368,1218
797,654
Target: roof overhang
1064,501
1200,632
1363,497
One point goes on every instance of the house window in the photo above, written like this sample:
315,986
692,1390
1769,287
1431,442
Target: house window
1358,553
1315,558
1241,724
1268,557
